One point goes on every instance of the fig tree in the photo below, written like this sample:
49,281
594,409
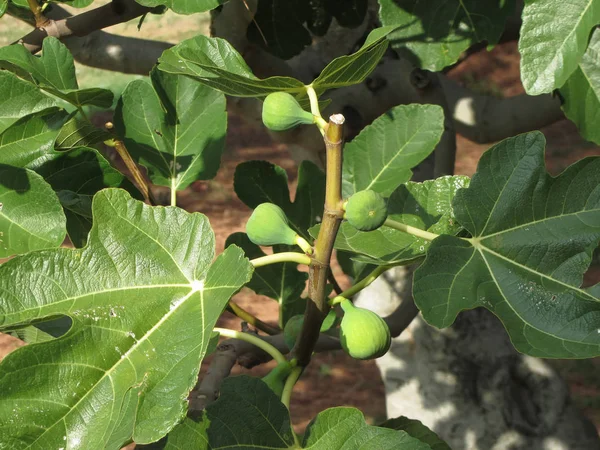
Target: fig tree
363,334
281,111
366,210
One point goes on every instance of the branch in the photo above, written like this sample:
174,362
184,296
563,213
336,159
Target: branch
483,119
117,11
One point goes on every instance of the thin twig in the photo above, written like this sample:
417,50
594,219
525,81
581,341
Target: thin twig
240,312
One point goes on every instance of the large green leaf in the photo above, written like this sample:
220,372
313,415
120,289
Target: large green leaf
438,31
282,282
381,156
54,72
76,176
19,98
427,206
257,182
554,37
184,6
354,68
278,26
31,217
582,92
144,298
175,127
214,62
533,238
29,142
417,430
261,421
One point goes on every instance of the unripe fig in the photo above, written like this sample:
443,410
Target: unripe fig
366,210
268,225
292,329
281,111
363,334
275,379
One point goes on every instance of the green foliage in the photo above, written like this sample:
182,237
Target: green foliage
533,238
366,210
275,379
292,330
363,334
129,291
417,430
175,127
184,6
554,37
436,32
281,111
582,92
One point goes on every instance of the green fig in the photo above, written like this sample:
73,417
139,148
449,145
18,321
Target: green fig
366,210
281,111
275,379
363,334
268,225
292,329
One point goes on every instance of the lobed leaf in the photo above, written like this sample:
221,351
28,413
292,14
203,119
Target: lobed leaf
582,92
554,37
31,217
79,133
438,31
144,296
174,127
533,238
54,72
381,156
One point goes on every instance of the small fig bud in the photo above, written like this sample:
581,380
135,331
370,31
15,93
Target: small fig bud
275,379
268,225
366,210
281,111
363,334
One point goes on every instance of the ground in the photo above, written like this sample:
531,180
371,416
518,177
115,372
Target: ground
335,379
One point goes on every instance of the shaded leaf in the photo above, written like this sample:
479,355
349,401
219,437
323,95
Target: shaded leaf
54,72
348,13
174,127
281,24
533,238
76,176
263,422
354,68
145,276
417,430
184,6
381,156
582,92
214,62
438,31
31,217
427,206
19,98
79,133
257,182
282,282
29,142
553,38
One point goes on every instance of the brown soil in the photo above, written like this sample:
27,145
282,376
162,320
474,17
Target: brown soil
335,379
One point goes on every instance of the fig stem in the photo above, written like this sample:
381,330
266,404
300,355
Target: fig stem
246,316
304,245
258,342
290,382
295,257
317,309
410,230
355,289
314,108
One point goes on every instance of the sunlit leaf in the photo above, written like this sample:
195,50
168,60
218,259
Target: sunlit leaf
533,238
144,298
